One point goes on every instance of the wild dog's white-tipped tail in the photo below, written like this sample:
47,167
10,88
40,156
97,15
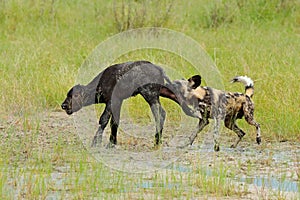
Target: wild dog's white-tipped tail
243,79
249,85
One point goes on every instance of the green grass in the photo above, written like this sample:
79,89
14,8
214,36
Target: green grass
43,44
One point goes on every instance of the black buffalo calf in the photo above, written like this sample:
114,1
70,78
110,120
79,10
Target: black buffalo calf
121,81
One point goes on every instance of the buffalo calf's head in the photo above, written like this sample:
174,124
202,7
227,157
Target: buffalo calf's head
75,99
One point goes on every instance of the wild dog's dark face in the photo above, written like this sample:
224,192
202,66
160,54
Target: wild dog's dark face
185,87
74,100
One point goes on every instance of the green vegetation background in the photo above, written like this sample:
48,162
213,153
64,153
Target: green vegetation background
43,43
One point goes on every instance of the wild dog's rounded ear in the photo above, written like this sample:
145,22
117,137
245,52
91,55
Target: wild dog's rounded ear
195,81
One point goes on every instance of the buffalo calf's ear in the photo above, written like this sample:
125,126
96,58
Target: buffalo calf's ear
195,81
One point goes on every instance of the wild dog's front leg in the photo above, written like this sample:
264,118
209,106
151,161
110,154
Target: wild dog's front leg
202,122
218,113
216,134
258,137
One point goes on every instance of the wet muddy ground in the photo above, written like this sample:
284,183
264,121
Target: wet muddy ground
268,168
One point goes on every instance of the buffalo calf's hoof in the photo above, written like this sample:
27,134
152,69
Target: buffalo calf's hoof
96,140
110,145
217,147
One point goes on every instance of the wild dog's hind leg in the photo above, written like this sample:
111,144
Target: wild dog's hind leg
230,123
249,117
257,125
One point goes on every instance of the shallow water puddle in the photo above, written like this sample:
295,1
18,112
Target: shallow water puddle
265,182
149,185
272,183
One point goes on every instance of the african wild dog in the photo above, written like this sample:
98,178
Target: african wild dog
220,105
121,81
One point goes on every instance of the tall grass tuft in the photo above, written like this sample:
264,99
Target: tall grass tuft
137,14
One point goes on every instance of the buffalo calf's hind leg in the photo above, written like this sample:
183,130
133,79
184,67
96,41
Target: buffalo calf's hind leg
151,95
114,122
159,116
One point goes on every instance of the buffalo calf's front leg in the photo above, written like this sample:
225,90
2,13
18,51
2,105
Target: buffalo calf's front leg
104,119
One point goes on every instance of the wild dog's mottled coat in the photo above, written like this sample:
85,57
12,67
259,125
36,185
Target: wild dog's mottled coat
221,105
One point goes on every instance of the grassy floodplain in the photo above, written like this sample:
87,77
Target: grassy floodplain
43,44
